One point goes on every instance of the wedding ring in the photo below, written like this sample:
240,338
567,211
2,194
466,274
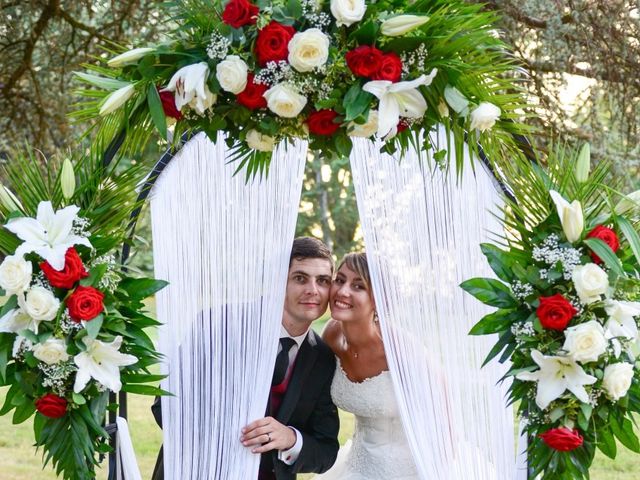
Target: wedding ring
269,437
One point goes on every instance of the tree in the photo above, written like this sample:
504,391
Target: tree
42,42
568,44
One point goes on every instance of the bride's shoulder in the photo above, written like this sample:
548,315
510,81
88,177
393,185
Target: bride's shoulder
332,333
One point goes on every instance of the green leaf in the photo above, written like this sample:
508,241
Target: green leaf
156,110
505,338
295,8
498,260
6,346
625,434
603,250
23,412
78,399
95,275
490,291
9,305
93,326
9,404
144,390
631,235
343,145
141,378
366,33
141,288
493,323
39,422
101,82
606,443
355,102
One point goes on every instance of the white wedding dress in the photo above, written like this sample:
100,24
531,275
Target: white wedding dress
378,449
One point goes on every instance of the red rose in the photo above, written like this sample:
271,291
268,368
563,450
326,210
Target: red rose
390,68
85,303
272,43
608,236
322,122
562,439
169,105
402,125
364,61
240,12
555,312
252,96
51,405
72,271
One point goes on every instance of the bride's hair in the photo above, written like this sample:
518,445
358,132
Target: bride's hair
357,262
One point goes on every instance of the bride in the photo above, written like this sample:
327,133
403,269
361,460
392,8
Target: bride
362,383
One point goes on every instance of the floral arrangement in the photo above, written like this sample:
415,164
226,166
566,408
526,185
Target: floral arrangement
328,71
72,323
568,307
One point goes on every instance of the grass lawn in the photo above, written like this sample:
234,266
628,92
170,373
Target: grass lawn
18,460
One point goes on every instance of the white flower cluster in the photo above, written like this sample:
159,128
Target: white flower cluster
67,325
414,59
80,227
56,375
315,18
550,252
218,46
521,330
274,73
521,290
111,277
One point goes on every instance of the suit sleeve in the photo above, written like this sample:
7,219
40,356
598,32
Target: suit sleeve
320,437
156,409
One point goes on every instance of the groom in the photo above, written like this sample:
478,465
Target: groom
299,433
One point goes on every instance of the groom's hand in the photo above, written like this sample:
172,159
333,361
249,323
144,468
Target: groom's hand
268,434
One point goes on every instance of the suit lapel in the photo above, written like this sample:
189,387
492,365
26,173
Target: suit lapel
304,363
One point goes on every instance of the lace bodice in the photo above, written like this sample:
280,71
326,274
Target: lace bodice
379,448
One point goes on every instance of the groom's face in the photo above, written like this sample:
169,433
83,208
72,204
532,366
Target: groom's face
307,294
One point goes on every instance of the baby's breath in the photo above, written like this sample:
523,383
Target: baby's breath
218,46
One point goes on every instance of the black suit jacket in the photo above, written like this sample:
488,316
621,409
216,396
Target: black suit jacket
307,406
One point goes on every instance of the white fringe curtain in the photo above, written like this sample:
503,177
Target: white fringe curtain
422,230
223,244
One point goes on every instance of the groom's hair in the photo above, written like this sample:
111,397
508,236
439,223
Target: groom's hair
309,247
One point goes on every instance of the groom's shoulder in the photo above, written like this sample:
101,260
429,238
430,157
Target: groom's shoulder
319,344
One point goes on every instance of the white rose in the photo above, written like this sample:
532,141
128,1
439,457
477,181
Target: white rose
232,74
348,12
590,282
285,101
15,274
39,303
585,342
367,129
53,350
258,141
617,379
402,24
308,50
484,116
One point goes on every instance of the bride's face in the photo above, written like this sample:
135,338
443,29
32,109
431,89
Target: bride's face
350,300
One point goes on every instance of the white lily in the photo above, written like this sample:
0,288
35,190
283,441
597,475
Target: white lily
16,320
9,200
556,375
116,99
583,164
570,214
621,321
401,24
101,361
189,85
67,179
49,234
398,99
129,57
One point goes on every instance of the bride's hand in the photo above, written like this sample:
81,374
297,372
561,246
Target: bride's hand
268,434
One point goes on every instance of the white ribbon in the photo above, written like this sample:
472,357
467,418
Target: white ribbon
126,464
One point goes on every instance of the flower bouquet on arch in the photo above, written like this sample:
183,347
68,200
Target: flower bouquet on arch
567,294
269,71
72,324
